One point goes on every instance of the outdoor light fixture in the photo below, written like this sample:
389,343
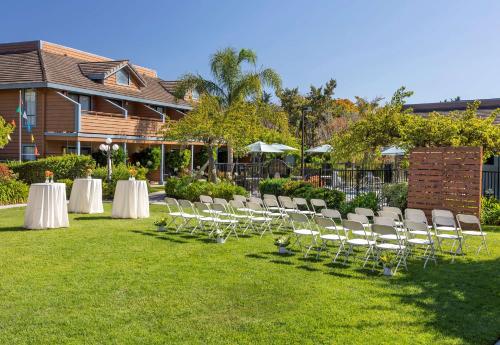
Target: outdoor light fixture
108,150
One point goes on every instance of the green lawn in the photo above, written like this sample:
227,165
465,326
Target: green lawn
106,281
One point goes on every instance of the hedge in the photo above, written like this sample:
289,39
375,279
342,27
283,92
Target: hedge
490,211
63,167
13,192
119,172
396,194
186,188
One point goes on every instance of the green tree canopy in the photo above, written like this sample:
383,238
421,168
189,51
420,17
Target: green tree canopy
6,130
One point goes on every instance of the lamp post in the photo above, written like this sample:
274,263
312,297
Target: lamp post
107,149
304,110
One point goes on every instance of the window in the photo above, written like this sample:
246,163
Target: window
30,107
85,101
195,95
28,153
72,150
122,77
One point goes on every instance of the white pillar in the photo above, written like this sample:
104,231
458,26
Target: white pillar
192,157
162,163
125,151
78,146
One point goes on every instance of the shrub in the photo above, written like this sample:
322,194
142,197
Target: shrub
396,194
101,158
5,172
63,167
177,160
13,192
490,211
119,172
367,200
273,186
149,157
69,185
186,188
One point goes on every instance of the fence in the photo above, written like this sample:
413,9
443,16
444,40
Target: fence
491,183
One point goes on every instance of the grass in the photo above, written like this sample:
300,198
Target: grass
105,281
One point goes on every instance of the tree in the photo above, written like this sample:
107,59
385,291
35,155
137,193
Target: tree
231,83
6,130
237,125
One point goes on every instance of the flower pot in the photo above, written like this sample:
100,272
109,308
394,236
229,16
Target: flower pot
282,250
161,228
388,271
220,240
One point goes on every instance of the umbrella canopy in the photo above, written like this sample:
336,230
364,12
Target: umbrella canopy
320,149
283,147
262,147
393,151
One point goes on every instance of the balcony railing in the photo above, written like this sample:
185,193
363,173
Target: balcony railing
93,122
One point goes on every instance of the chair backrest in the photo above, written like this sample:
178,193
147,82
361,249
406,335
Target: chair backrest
206,199
418,226
186,205
393,209
415,215
218,207
241,198
200,206
171,203
353,225
283,198
381,229
254,206
387,221
364,211
270,196
220,201
330,213
360,218
442,213
298,218
444,221
326,223
301,202
388,214
256,200
236,204
318,203
271,202
288,204
469,219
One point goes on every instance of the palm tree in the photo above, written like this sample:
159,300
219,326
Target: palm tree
230,82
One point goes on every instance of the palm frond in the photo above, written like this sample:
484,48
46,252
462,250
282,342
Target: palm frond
247,55
271,78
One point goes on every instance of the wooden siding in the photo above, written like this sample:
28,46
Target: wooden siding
111,81
101,123
9,101
60,113
18,47
446,178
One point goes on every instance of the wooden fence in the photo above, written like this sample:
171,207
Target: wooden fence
446,178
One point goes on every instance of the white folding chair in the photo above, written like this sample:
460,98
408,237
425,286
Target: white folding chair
303,206
361,219
174,211
283,198
471,226
417,216
389,221
225,219
367,212
241,198
270,196
441,224
419,235
302,228
206,199
260,222
187,215
333,215
240,213
389,240
330,232
389,214
207,223
275,212
393,209
444,214
318,205
220,201
364,241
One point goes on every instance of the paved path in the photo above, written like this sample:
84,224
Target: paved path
157,198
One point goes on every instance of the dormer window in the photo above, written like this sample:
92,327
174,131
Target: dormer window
123,77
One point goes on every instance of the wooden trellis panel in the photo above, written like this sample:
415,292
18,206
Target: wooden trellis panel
446,178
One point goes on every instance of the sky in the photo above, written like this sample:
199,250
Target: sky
438,49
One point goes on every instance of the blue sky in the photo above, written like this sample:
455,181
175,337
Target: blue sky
439,49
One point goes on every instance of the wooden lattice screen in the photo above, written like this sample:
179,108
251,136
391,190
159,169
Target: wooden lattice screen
446,178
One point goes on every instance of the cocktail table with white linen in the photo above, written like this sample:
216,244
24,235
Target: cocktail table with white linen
131,200
46,206
86,196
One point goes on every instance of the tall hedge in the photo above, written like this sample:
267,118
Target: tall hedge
119,172
63,167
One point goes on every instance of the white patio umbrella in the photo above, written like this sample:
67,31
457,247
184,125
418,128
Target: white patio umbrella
283,147
320,149
262,147
393,151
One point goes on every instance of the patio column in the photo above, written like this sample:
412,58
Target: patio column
162,167
78,147
125,152
192,157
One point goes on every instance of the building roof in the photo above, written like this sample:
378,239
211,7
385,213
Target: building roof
42,68
486,107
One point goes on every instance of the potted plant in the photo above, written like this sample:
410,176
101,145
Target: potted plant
132,173
282,243
49,176
387,263
219,236
160,224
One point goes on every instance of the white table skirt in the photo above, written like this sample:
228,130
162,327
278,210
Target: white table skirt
46,206
131,200
86,196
